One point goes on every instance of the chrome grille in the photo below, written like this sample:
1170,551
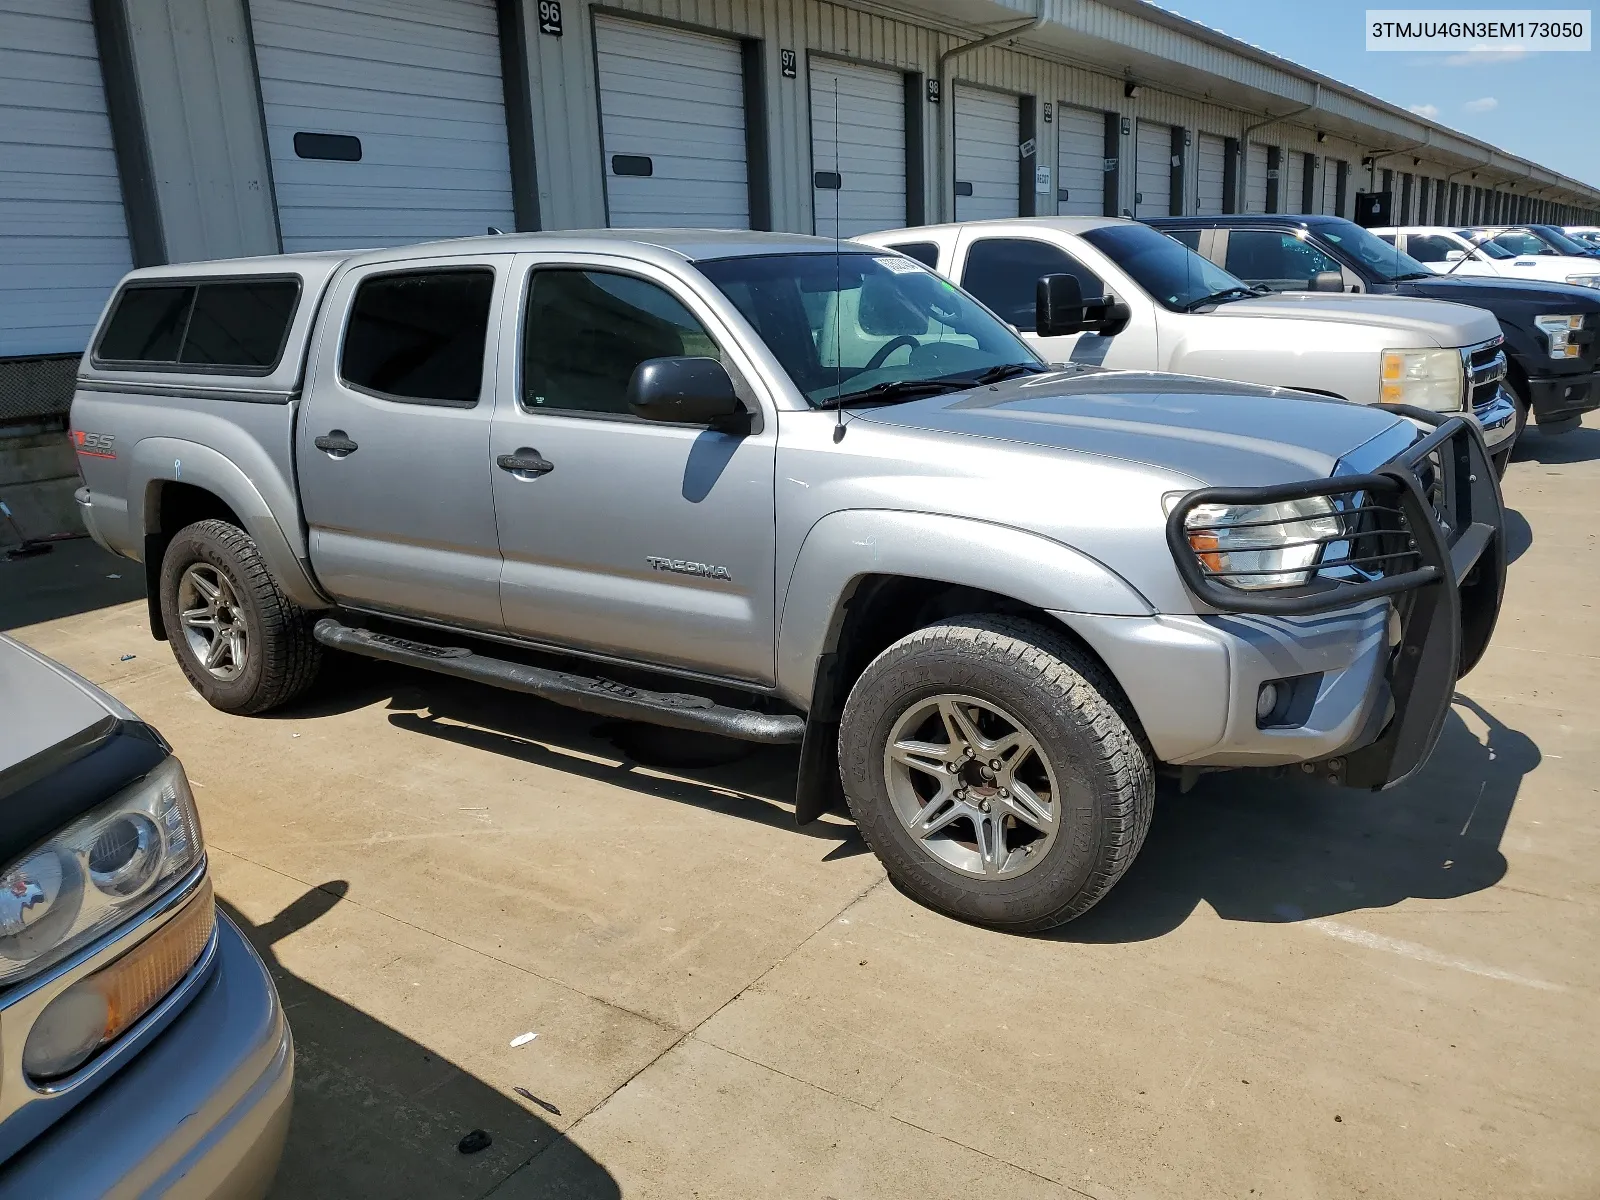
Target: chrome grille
1484,366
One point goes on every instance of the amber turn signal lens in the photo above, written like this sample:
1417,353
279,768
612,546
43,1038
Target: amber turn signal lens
101,1008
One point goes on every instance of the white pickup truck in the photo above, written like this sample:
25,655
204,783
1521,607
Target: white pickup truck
1166,308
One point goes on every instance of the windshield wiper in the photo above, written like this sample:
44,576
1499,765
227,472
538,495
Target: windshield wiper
1003,372
1411,275
1226,294
898,389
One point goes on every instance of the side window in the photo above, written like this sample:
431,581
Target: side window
237,324
1004,273
419,336
1387,237
1279,260
926,253
1430,247
586,331
1189,237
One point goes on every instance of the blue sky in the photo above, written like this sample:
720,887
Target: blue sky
1544,107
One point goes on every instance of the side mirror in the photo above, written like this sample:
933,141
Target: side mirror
1108,315
1327,281
1058,306
1455,256
683,391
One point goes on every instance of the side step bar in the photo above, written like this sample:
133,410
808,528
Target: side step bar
604,697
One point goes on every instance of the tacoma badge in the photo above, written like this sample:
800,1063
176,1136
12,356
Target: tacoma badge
705,570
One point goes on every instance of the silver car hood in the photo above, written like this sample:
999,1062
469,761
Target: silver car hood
1425,322
44,704
1207,430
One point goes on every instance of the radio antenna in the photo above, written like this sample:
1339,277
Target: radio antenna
838,278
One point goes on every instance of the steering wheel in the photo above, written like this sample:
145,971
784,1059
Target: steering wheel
888,348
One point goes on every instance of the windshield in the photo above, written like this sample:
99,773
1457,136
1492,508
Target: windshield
1520,242
1563,243
1485,246
841,324
1373,253
1171,272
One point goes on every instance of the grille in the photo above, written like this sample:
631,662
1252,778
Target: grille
1486,368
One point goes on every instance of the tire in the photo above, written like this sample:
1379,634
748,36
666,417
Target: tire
277,656
1089,754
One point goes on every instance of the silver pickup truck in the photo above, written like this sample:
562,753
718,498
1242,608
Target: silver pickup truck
1166,308
781,490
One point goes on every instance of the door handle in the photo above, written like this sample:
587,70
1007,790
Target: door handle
336,443
526,461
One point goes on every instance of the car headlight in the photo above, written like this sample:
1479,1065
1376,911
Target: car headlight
97,872
1262,546
1426,378
1585,280
1558,330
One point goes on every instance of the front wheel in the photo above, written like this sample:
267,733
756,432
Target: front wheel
244,645
996,771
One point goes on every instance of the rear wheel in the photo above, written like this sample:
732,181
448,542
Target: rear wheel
992,766
244,645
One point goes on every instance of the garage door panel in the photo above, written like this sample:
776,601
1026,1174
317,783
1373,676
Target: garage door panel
858,129
676,98
1256,188
986,154
63,232
1080,161
1152,179
1211,174
419,84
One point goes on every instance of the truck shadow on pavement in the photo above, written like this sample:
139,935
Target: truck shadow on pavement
755,783
1580,445
378,1115
1275,850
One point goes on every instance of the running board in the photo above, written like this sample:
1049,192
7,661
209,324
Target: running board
603,697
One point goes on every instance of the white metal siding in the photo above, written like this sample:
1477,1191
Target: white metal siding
1152,178
676,98
1212,170
1255,197
986,154
418,82
1080,161
858,129
63,234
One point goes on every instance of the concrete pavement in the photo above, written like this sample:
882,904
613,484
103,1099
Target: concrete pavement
1296,992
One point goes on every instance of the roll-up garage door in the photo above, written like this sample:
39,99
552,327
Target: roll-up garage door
1255,197
1152,178
1330,186
1291,197
672,115
1080,161
858,148
386,119
63,235
986,155
1212,171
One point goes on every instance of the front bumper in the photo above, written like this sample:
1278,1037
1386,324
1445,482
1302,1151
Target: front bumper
1559,400
1370,656
200,1112
1497,421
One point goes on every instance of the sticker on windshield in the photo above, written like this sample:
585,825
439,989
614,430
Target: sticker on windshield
900,266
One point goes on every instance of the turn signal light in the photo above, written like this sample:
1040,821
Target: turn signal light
97,1010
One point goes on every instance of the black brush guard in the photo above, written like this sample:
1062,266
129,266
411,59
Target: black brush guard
1426,528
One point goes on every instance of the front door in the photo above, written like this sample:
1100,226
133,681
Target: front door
393,442
647,541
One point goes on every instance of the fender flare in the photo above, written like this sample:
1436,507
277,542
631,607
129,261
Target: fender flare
157,460
844,546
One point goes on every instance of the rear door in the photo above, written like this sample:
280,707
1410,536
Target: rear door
858,148
393,442
987,155
1080,161
648,541
672,117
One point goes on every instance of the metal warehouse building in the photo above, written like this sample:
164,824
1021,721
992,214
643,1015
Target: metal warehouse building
145,131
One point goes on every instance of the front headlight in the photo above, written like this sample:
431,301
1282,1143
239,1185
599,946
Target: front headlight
97,872
1262,546
1557,331
1585,280
1426,378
